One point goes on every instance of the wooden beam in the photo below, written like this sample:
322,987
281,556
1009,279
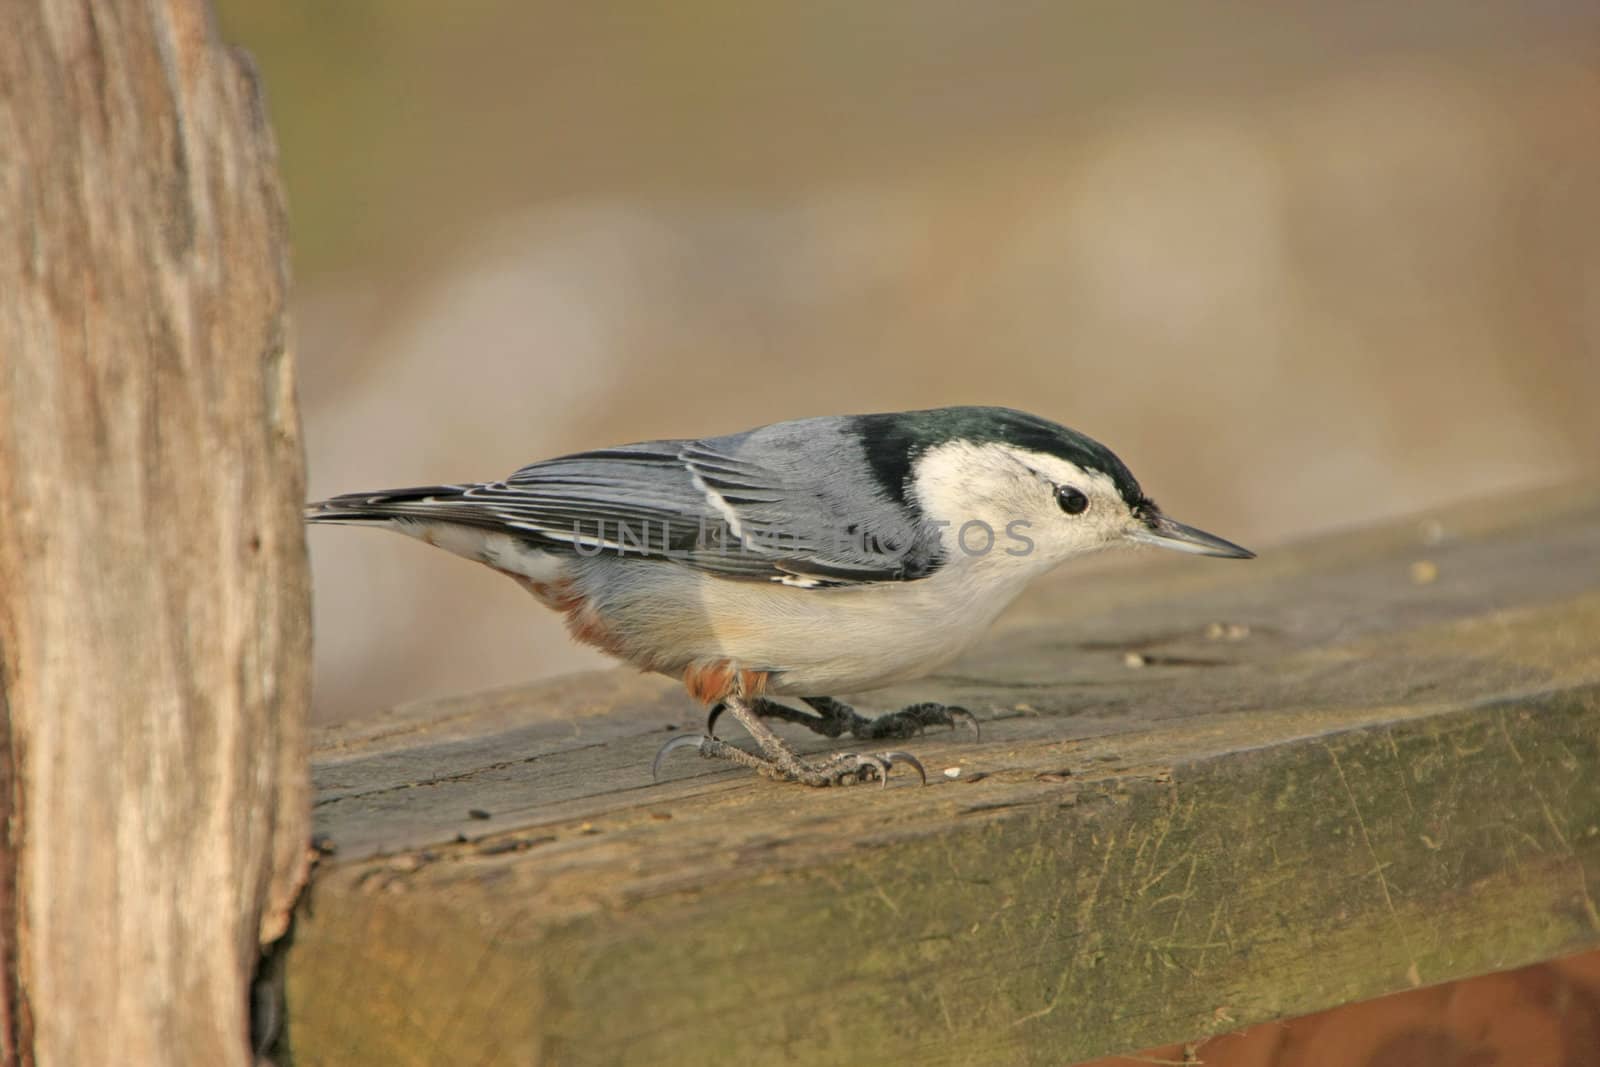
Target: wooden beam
154,627
1206,795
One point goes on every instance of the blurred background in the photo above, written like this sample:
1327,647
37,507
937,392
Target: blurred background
1302,266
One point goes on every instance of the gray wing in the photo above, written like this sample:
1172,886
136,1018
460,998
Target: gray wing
791,503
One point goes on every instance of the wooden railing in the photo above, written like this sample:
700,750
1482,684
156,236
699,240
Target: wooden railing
1204,796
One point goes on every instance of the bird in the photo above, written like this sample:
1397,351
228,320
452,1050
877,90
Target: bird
801,559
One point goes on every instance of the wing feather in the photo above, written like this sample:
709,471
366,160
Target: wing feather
693,502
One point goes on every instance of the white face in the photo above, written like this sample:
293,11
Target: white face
1018,494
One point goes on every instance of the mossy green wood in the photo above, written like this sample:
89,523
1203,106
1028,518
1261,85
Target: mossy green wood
1387,780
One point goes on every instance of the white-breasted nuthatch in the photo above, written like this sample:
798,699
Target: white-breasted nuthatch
809,557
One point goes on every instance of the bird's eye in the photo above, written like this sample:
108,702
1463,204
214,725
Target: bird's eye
1072,501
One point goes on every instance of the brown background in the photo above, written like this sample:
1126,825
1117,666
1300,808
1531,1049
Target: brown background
1301,266
1547,1015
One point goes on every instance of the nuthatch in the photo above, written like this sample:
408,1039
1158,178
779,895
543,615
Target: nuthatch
816,556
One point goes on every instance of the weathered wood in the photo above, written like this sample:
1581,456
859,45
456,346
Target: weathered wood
153,629
1206,795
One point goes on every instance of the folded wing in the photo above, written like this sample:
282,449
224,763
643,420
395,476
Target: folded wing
701,504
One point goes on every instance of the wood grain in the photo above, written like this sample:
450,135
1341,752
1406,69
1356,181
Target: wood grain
153,631
1206,795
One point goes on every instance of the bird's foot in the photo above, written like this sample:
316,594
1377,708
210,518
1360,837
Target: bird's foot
909,721
782,765
835,718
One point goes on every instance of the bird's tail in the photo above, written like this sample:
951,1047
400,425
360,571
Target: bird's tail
403,507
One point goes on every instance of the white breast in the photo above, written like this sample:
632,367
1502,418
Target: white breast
826,641
816,642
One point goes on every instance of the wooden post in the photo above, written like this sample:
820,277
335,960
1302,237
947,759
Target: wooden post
153,624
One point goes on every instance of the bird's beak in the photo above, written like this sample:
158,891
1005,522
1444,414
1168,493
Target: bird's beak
1156,529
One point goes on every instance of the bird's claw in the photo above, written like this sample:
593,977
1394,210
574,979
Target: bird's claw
957,714
832,719
920,716
711,718
827,716
891,758
694,741
879,763
836,771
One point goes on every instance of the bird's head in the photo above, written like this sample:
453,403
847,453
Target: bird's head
1043,492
